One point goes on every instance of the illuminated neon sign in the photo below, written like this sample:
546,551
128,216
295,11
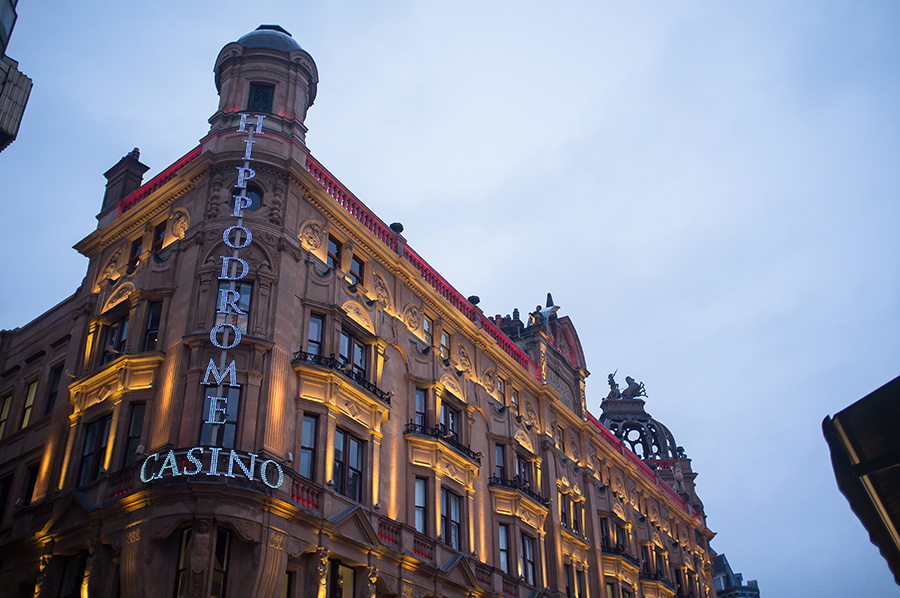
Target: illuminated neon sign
224,335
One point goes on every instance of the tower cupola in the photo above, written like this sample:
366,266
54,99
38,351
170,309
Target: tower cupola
265,72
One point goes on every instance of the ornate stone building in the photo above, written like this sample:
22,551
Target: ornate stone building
261,390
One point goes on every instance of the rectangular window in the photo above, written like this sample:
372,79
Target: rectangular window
5,490
159,236
116,338
137,248
560,438
604,533
5,402
450,421
514,400
341,580
581,591
348,462
428,331
445,344
223,432
577,516
228,299
570,590
220,564
420,407
135,425
353,355
72,575
56,374
357,266
420,506
181,572
30,391
450,518
523,470
501,389
610,590
151,333
503,543
260,97
308,447
499,462
334,253
564,509
626,593
31,475
314,338
96,437
526,559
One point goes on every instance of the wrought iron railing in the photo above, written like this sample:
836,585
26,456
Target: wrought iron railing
338,365
520,485
619,550
440,432
658,577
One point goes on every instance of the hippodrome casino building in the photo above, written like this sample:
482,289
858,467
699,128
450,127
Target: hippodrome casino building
261,390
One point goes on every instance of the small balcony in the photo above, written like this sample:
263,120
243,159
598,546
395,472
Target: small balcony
338,365
658,578
440,432
521,486
620,551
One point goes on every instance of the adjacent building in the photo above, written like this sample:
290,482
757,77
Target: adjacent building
260,389
15,87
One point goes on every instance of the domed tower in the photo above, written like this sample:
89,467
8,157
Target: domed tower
624,415
265,72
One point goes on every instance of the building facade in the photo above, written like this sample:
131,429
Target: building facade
261,390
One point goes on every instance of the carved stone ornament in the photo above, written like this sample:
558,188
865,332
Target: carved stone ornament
215,192
381,291
451,385
530,414
111,271
311,234
276,202
358,314
465,362
118,296
412,315
489,380
179,223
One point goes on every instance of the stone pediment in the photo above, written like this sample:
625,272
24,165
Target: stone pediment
352,523
72,511
458,571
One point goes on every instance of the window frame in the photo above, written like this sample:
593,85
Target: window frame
308,446
333,255
420,505
503,548
132,438
115,338
343,472
357,270
500,461
527,569
451,528
151,330
28,406
428,330
420,406
5,403
449,418
54,379
445,344
91,462
261,97
244,289
159,236
314,345
354,354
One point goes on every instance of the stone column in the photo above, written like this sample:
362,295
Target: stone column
272,566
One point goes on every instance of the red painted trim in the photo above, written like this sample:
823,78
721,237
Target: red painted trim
126,203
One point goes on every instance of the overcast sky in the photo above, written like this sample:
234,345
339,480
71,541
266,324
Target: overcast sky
709,190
